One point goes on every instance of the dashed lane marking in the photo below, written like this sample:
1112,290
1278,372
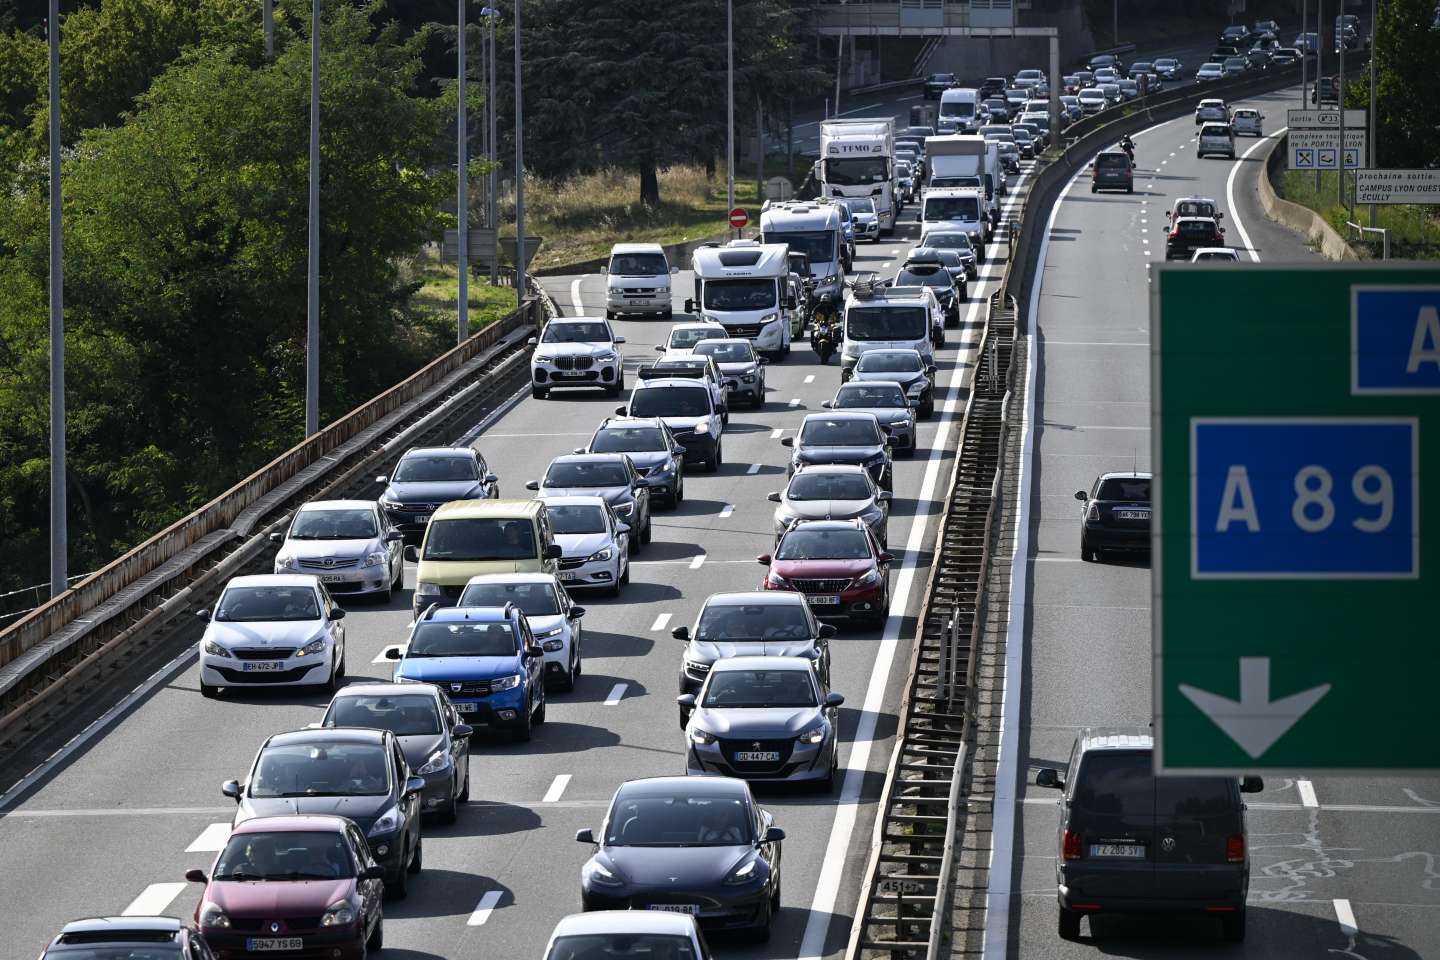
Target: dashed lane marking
153,900
754,468
726,510
1346,918
696,561
211,840
1307,793
661,622
617,693
482,911
557,788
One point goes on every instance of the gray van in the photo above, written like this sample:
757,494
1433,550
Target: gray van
1132,842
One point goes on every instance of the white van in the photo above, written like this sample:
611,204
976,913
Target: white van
960,209
745,286
881,318
638,280
960,110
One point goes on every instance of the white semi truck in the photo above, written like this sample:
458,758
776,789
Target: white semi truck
857,159
967,161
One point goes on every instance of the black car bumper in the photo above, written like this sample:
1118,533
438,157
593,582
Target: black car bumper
717,909
1225,902
1110,538
699,448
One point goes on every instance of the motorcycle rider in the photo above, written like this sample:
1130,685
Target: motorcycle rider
1128,146
822,330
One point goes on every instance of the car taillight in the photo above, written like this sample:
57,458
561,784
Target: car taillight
1235,849
1094,512
1219,238
1070,848
1174,234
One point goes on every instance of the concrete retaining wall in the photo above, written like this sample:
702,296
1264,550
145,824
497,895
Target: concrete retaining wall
1302,220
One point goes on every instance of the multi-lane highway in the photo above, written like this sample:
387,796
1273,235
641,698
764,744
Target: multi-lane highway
1340,866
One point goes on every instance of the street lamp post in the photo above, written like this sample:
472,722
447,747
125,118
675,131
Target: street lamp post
492,151
1374,155
462,185
729,105
312,292
59,539
519,170
267,18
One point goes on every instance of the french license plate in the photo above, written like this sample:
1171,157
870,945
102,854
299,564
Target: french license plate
261,666
1128,851
332,578
274,943
638,300
691,908
566,375
822,600
422,518
569,577
466,707
1133,514
757,756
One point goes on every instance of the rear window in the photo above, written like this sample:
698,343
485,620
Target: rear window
1125,488
1195,228
1215,130
1112,161
1115,783
1194,797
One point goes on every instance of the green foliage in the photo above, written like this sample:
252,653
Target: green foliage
1407,68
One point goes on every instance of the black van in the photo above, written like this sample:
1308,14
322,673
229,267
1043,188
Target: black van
1131,842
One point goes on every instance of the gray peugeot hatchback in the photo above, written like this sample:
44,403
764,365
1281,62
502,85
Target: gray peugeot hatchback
1132,842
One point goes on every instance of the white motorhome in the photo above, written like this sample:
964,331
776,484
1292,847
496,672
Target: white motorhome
879,318
857,159
960,110
957,209
745,286
811,227
968,161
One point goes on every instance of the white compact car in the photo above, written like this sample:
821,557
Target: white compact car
1249,121
349,544
1216,138
638,281
553,618
684,336
577,352
1224,254
594,541
272,630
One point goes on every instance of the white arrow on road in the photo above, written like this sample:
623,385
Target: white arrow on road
1255,721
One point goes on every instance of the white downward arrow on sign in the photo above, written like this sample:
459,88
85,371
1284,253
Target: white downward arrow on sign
1255,721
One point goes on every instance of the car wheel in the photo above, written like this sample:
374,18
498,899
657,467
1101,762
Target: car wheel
209,691
614,589
567,682
376,941
336,675
926,411
522,730
417,859
1093,188
1069,926
399,889
613,390
679,492
465,790
539,393
785,350
609,314
775,897
668,314
540,714
646,533
1086,554
1232,926
716,460
388,594
447,812
1130,189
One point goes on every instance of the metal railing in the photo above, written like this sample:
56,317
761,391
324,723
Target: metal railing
1360,232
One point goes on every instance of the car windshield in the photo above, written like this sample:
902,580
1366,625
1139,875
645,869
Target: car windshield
586,473
578,518
948,241
628,440
120,949
886,323
686,337
438,469
760,688
828,486
638,265
323,769
860,204
333,525
408,715
1115,784
726,352
887,361
1125,488
462,638
957,108
870,395
1196,228
924,277
480,539
1112,161
803,544
818,245
952,208
824,432
1215,255
622,946
533,599
671,402
284,855
1091,95
1215,131
754,622
261,604
558,332
739,294
678,819
855,171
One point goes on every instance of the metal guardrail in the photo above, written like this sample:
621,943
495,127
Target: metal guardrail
1360,232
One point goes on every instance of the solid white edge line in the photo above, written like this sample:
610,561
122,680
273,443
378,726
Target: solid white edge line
153,900
1307,793
575,300
488,901
661,622
617,693
1230,193
847,804
211,840
1346,918
557,788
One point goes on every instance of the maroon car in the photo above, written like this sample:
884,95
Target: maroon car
301,886
837,564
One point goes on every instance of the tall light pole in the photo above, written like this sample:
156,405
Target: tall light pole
1340,94
1320,72
1304,47
59,539
267,18
312,290
462,185
1374,37
491,203
519,169
729,105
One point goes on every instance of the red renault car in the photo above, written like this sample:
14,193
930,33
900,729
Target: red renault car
837,565
298,886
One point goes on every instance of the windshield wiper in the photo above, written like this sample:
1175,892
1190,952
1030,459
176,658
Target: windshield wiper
238,877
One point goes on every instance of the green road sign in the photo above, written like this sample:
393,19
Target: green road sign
1295,424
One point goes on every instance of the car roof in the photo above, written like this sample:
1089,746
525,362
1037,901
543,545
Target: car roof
376,688
470,614
843,467
514,577
590,458
336,505
1125,475
296,823
323,735
576,501
768,598
625,921
579,319
621,423
838,415
653,381
1116,738
1228,251
438,452
689,786
734,340
122,924
480,509
637,248
854,523
729,664
274,580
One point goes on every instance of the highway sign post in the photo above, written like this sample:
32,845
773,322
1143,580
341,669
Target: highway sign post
1295,435
1397,186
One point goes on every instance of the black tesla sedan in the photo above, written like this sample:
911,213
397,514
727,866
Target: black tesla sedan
695,845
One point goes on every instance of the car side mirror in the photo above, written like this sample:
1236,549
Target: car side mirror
576,613
828,630
337,614
686,700
689,304
833,699
203,613
774,835
374,872
394,536
773,496
884,496
1218,217
827,404
196,875
681,633
674,270
659,348
534,650
618,340
382,479
679,450
533,342
763,559
1251,784
1081,495
276,537
231,789
414,784
552,551
462,730
585,836
1049,777
886,558
394,653
412,553
762,361
578,450
620,411
491,478
787,441
532,484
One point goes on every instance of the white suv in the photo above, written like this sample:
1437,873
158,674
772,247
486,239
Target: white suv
577,352
638,280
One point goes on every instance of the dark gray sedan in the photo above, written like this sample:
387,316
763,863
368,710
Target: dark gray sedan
842,437
611,476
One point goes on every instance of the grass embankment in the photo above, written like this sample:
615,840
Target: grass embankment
439,294
1414,230
581,217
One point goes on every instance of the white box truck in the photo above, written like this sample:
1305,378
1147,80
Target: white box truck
967,161
857,159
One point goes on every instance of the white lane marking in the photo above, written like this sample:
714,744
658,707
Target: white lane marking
487,903
676,563
153,900
1055,560
1172,153
908,99
794,401
1144,219
1307,793
617,693
886,264
832,870
1344,914
211,840
696,561
726,510
381,656
1092,343
557,788
575,297
810,378
777,433
1230,195
661,622
526,436
754,468
1144,229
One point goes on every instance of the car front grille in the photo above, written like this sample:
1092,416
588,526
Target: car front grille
821,586
574,363
264,653
746,331
468,688
269,676
288,925
572,563
638,291
331,564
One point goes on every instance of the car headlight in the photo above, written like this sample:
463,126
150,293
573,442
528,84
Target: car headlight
916,387
775,580
747,378
214,649
701,429
625,509
338,914
697,667
552,646
743,873
606,357
868,579
616,289
212,916
376,559
769,318
314,648
662,468
547,634
427,589
815,734
285,561
602,875
703,737
605,554
437,761
830,279
500,684
389,502
709,319
387,822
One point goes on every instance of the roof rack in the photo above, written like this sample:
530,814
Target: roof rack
649,372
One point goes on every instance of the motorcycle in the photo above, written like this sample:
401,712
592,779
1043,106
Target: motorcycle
822,340
1128,146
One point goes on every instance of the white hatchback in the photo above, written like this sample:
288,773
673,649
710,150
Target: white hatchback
553,618
1224,254
1216,138
1249,121
594,541
272,630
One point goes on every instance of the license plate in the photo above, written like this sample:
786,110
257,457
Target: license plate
1128,851
466,707
274,943
757,756
332,578
1133,514
422,518
691,908
569,577
824,601
261,666
638,300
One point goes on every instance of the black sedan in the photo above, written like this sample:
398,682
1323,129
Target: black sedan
937,83
344,772
696,845
1115,515
435,741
